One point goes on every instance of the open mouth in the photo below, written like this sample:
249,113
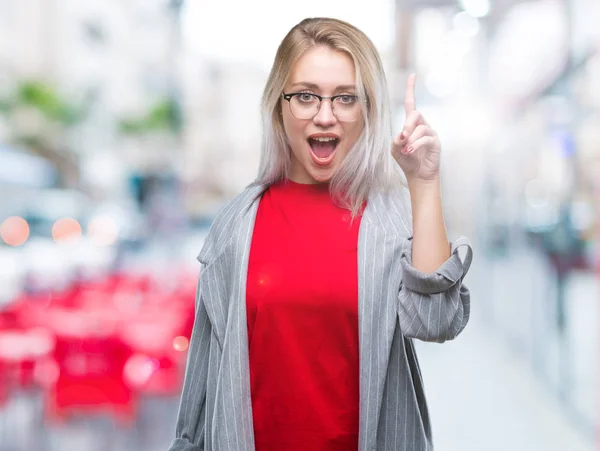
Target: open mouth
323,149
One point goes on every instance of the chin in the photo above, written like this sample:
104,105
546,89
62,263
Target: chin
320,177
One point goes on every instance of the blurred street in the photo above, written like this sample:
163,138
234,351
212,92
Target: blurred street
483,394
483,397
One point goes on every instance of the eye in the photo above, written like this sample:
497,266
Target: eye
306,97
347,99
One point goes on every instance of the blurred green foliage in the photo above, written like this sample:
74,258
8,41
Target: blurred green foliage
45,98
163,116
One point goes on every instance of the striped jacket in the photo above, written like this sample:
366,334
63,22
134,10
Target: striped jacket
397,304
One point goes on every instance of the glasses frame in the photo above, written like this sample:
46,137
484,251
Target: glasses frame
290,95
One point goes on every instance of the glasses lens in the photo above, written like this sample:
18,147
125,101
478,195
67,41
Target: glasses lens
346,108
304,105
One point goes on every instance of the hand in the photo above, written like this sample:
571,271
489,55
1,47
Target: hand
417,148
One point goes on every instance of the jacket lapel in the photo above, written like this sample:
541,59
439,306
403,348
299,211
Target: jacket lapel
224,286
379,278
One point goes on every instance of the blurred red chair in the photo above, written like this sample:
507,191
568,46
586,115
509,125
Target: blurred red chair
20,352
90,359
156,367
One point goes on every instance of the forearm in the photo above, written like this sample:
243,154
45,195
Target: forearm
430,247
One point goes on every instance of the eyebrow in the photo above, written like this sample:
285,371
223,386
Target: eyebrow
316,87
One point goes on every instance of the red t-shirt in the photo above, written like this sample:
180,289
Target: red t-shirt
302,312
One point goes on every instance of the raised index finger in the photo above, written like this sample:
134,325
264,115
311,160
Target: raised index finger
409,97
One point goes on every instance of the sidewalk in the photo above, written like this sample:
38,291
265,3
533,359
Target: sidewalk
483,398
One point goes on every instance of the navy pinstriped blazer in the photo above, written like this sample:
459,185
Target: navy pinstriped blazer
397,304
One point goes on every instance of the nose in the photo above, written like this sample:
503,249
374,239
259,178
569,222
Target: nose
325,116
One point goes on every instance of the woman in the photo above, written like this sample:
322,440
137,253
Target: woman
316,278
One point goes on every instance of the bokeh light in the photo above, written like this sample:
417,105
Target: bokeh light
14,231
181,343
66,229
138,369
103,231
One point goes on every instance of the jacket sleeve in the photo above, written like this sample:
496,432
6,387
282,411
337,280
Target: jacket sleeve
189,429
436,306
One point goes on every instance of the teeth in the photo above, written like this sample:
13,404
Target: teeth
325,139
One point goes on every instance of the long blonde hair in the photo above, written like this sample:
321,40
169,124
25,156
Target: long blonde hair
368,166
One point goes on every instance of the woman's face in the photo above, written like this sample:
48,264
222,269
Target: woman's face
320,144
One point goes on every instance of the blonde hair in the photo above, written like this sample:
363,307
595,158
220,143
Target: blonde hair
368,166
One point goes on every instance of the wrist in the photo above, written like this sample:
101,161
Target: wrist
426,200
425,187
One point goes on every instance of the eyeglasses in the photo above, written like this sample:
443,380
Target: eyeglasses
306,105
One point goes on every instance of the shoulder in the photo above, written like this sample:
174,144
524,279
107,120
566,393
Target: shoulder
390,210
226,222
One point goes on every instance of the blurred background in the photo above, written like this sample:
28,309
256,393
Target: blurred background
125,125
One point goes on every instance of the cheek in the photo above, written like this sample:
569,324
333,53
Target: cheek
354,133
293,131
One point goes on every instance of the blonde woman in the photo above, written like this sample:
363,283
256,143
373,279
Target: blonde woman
317,278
